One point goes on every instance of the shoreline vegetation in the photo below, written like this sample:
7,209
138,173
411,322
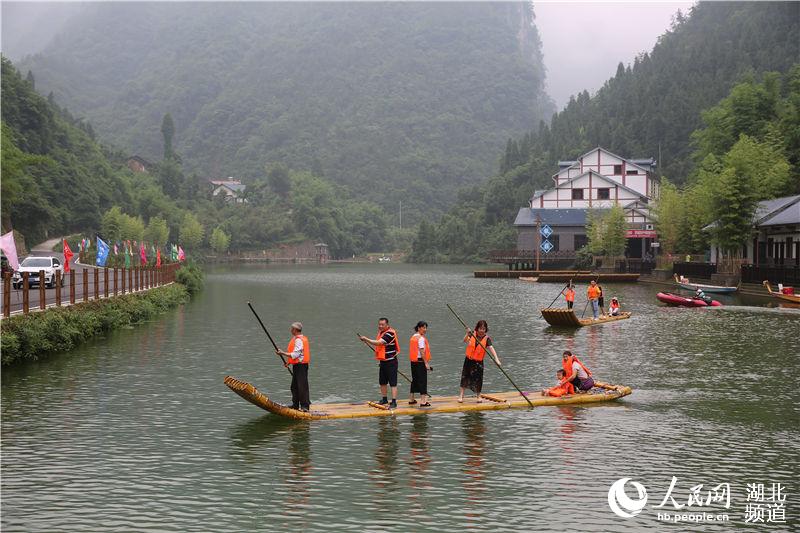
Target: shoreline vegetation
60,329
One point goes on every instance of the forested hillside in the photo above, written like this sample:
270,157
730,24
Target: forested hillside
57,180
650,108
396,101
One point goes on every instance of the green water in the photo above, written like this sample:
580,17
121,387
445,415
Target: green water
137,432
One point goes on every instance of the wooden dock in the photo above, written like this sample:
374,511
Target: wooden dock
560,276
526,273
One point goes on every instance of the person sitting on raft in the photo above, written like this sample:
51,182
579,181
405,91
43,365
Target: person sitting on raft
701,295
577,374
478,342
613,309
563,388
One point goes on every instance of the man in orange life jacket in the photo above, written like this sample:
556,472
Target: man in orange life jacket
298,354
386,349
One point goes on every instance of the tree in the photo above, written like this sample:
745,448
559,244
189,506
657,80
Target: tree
30,79
157,231
131,227
219,240
669,216
191,231
167,131
614,234
278,179
111,224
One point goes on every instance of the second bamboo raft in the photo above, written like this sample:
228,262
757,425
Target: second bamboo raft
567,318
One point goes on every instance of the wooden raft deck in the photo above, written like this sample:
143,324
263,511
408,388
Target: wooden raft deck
441,404
567,317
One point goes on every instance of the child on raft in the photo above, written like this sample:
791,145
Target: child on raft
613,309
563,388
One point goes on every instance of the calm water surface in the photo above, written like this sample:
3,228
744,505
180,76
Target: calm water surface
137,432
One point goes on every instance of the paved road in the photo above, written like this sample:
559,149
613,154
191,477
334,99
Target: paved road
45,249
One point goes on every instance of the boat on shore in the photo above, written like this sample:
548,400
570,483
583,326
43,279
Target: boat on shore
602,392
718,289
676,300
560,316
787,297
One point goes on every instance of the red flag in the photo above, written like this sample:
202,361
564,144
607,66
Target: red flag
142,254
67,256
158,257
181,254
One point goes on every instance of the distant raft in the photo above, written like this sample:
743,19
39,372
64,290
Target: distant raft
567,318
602,392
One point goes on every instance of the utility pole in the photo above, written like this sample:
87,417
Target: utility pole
401,214
538,239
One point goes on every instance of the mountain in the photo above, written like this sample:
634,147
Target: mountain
650,108
396,101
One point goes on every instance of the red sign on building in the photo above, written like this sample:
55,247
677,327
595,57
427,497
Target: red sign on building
640,233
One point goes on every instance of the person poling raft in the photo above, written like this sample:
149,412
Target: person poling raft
386,350
298,353
478,343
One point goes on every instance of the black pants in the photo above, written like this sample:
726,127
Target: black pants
419,378
569,304
387,372
300,396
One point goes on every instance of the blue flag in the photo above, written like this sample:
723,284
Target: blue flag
102,252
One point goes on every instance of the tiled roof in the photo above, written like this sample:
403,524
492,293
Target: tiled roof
554,217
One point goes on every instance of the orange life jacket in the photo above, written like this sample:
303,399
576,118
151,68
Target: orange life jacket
567,365
473,352
614,305
564,387
413,348
570,295
306,350
593,292
380,350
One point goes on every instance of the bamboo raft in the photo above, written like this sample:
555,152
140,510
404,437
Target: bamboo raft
602,392
567,317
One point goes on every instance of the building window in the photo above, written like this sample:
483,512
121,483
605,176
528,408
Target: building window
577,194
579,242
632,172
554,240
617,170
604,194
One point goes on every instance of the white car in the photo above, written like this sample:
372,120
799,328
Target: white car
53,270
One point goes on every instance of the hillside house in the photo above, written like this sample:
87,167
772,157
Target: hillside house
138,164
232,189
598,179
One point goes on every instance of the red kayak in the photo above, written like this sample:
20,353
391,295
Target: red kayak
677,300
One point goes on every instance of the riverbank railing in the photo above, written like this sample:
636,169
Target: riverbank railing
95,284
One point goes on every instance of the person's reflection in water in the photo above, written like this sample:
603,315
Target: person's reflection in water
298,477
420,458
474,428
594,345
386,451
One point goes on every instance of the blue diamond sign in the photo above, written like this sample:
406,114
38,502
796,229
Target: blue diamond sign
546,246
546,231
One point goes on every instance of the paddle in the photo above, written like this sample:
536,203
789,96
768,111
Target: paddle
373,351
270,337
557,297
490,357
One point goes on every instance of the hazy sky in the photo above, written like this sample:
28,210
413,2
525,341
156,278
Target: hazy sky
584,41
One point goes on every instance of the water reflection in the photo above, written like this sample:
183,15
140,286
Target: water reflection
474,428
420,458
386,450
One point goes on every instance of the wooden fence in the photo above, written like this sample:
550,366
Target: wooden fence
96,283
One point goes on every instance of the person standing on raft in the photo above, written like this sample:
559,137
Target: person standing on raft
593,294
298,353
577,374
386,350
478,342
569,294
419,351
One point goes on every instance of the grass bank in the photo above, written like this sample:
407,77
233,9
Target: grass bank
29,337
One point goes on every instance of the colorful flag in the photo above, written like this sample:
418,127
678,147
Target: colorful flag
174,254
158,257
127,258
102,252
142,254
116,250
9,247
181,255
67,255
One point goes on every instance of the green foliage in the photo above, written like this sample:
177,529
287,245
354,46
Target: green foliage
191,277
168,132
157,231
29,337
191,232
614,235
278,179
669,213
377,97
219,241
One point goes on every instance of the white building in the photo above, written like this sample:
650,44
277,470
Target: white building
232,189
598,179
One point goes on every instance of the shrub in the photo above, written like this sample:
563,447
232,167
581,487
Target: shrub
191,276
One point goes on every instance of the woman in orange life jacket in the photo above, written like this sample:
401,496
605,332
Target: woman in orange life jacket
563,388
478,343
419,351
569,294
613,309
386,349
299,355
577,374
